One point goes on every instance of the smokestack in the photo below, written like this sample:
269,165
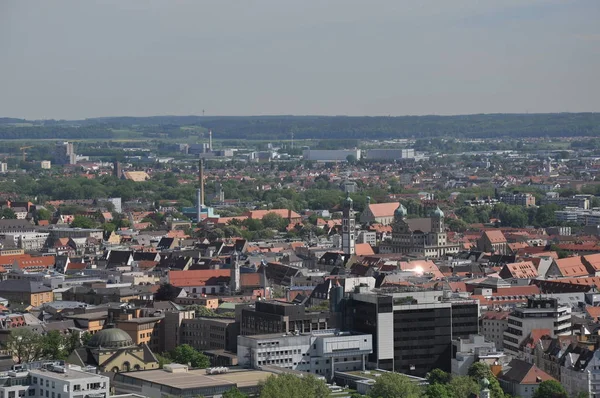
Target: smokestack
201,181
210,140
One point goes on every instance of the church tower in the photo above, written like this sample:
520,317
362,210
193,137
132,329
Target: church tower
437,221
348,227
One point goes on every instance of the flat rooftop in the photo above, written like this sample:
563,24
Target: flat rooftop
197,378
69,373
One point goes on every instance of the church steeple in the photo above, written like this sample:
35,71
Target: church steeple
348,227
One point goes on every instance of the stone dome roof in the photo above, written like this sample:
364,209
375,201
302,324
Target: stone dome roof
438,213
400,211
110,338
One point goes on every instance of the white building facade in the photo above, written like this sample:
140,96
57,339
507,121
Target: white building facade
320,352
539,313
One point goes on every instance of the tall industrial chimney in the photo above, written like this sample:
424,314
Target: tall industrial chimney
210,140
201,178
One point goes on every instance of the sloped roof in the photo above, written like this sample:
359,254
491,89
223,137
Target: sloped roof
363,249
137,176
259,214
419,224
593,260
384,209
571,266
34,262
522,372
196,277
426,266
498,315
522,270
593,312
495,236
250,279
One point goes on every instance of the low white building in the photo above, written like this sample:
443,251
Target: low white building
474,349
320,352
53,380
331,155
29,240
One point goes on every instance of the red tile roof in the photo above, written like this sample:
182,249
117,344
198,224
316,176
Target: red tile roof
259,214
424,266
363,249
499,315
593,260
571,266
495,236
593,312
196,277
250,279
522,270
384,209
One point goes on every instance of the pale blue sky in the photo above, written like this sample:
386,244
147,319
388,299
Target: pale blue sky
77,59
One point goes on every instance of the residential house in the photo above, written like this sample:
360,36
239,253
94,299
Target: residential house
522,379
569,267
521,270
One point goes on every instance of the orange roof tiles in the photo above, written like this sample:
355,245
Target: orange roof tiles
383,209
571,266
495,236
593,260
196,277
34,262
363,249
259,214
496,315
250,279
593,312
522,270
421,266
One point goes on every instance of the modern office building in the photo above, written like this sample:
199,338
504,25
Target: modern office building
65,153
539,313
322,352
204,333
279,317
53,379
518,199
412,330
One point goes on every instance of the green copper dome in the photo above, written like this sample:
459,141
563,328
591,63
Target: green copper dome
110,338
400,211
348,201
438,213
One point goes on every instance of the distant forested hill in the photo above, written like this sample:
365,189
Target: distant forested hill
322,127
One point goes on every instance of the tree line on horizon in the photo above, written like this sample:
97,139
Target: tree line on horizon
316,127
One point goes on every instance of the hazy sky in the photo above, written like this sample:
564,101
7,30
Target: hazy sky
77,59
